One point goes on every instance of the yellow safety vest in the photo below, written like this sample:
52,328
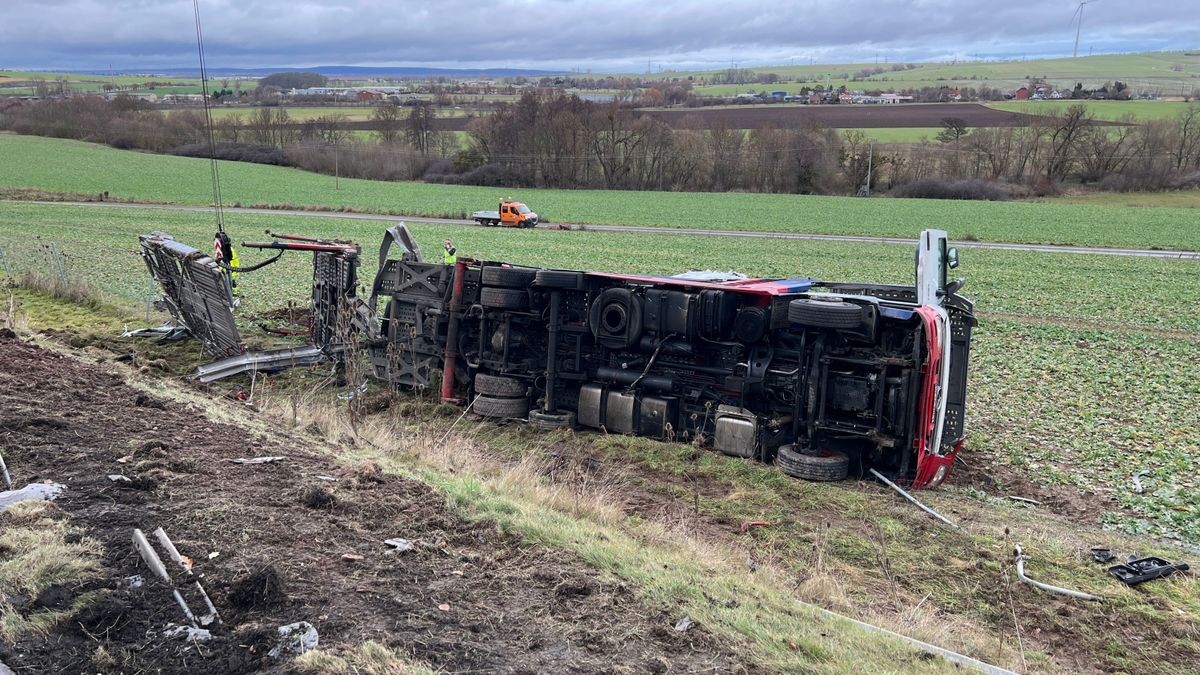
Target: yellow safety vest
449,257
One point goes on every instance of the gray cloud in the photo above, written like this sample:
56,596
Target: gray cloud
622,35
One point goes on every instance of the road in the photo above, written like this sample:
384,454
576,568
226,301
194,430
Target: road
1001,246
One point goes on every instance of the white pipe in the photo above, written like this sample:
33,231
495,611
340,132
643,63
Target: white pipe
1021,558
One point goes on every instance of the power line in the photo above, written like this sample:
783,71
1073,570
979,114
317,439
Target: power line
208,122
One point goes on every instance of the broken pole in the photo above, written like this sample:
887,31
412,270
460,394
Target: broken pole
913,499
4,470
155,564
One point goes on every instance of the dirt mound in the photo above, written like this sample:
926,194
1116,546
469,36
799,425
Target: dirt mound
465,598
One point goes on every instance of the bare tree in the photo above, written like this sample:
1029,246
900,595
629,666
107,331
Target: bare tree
386,118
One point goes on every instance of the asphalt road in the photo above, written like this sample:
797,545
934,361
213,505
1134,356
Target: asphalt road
1038,248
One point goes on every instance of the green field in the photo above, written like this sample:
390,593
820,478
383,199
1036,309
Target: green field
1085,366
95,83
1171,73
72,166
1105,110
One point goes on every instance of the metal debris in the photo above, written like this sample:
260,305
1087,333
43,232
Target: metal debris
913,499
155,564
189,633
1138,487
295,638
399,545
119,478
258,460
354,393
1021,558
135,581
31,492
1102,555
1024,500
685,624
4,473
186,564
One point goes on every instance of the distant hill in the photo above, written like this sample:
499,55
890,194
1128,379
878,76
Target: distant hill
344,71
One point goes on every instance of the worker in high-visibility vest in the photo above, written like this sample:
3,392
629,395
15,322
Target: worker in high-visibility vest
223,252
449,253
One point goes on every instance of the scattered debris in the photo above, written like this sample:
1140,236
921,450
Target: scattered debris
189,633
135,581
445,607
1145,569
685,624
31,492
155,564
186,564
119,478
295,638
399,545
746,525
1021,558
352,556
125,459
5,670
213,555
1024,500
353,393
1102,555
4,473
913,499
258,460
326,478
1138,487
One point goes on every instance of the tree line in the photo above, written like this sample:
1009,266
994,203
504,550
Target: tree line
551,140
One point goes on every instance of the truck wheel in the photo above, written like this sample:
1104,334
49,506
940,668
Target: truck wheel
825,313
503,408
558,279
544,421
508,277
493,385
825,465
504,298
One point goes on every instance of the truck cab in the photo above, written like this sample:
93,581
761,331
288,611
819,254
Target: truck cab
509,213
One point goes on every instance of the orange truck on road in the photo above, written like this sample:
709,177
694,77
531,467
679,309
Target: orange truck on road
510,214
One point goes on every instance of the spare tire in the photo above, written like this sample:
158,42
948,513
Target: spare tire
504,298
558,279
824,465
504,408
508,277
544,421
493,385
825,313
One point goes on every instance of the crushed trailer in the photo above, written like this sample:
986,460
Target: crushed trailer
825,379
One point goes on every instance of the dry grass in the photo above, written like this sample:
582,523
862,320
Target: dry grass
35,555
370,658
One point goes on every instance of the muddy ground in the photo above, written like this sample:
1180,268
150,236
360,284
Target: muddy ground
278,543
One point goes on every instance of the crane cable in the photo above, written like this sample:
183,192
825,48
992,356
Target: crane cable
212,146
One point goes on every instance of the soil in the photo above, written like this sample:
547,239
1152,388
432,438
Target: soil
840,116
467,597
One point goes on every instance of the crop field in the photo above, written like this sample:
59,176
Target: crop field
782,115
92,83
1142,111
1172,73
1084,371
70,166
352,113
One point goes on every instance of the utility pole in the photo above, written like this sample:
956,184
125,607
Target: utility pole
337,176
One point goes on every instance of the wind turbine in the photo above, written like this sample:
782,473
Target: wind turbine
1078,26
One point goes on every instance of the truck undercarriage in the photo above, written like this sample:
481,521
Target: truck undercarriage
824,379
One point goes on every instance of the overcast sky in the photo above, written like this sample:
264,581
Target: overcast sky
612,35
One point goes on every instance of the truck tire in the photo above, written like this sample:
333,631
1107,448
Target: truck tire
508,277
825,313
825,465
493,385
501,408
558,279
544,421
504,298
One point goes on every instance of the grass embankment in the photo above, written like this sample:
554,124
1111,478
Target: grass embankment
1083,372
71,166
663,518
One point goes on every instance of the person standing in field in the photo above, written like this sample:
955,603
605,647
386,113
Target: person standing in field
449,253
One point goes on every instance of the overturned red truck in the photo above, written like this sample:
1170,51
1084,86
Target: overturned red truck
825,379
